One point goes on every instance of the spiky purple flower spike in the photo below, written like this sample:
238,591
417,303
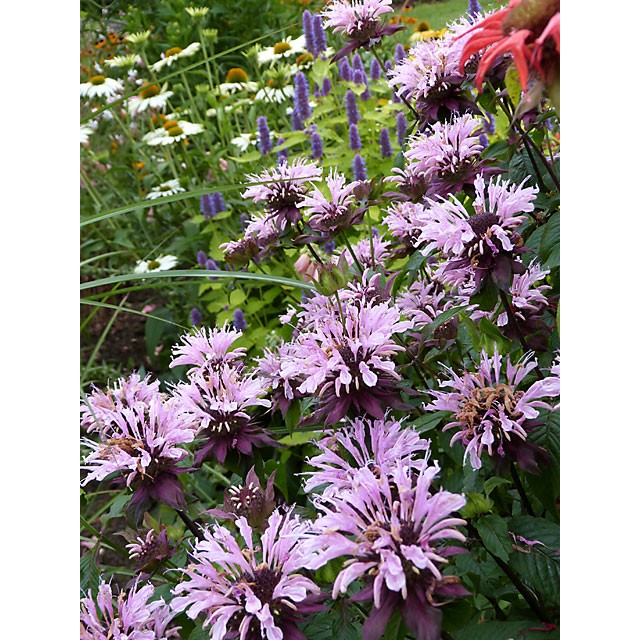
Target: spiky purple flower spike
239,321
326,86
390,526
401,127
351,105
255,590
316,146
201,258
356,63
360,23
283,154
385,144
309,35
264,136
301,96
474,9
345,70
354,138
359,168
319,35
400,54
195,317
374,70
296,121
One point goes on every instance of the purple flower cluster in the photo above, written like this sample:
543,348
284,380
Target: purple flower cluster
492,413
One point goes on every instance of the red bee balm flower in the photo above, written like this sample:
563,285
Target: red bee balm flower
528,29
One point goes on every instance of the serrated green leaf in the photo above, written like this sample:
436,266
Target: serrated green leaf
477,504
550,242
429,421
298,438
89,574
494,533
494,482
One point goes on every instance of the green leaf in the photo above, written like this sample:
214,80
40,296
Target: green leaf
487,298
429,421
299,437
550,242
197,273
498,630
477,504
292,416
155,329
494,482
252,156
494,533
89,574
445,316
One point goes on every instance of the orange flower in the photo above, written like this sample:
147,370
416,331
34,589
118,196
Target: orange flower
528,29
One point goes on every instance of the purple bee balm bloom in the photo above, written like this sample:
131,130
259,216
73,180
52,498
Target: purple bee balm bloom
326,87
285,188
255,590
202,258
527,295
391,529
374,70
354,138
144,445
195,317
401,127
309,36
492,414
362,250
149,553
486,241
351,105
378,445
359,168
133,616
385,143
223,403
319,35
209,348
239,321
449,156
424,301
316,146
403,220
431,76
301,96
345,358
328,216
345,70
100,409
249,501
264,135
359,22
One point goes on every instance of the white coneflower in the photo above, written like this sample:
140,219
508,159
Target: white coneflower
172,131
171,55
197,12
275,94
283,49
85,132
244,140
161,263
150,96
100,86
126,61
169,188
139,37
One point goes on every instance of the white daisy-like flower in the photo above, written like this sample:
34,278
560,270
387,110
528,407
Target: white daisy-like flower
283,49
174,54
227,88
172,131
85,132
169,188
138,37
161,263
101,87
275,94
150,96
244,140
120,62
